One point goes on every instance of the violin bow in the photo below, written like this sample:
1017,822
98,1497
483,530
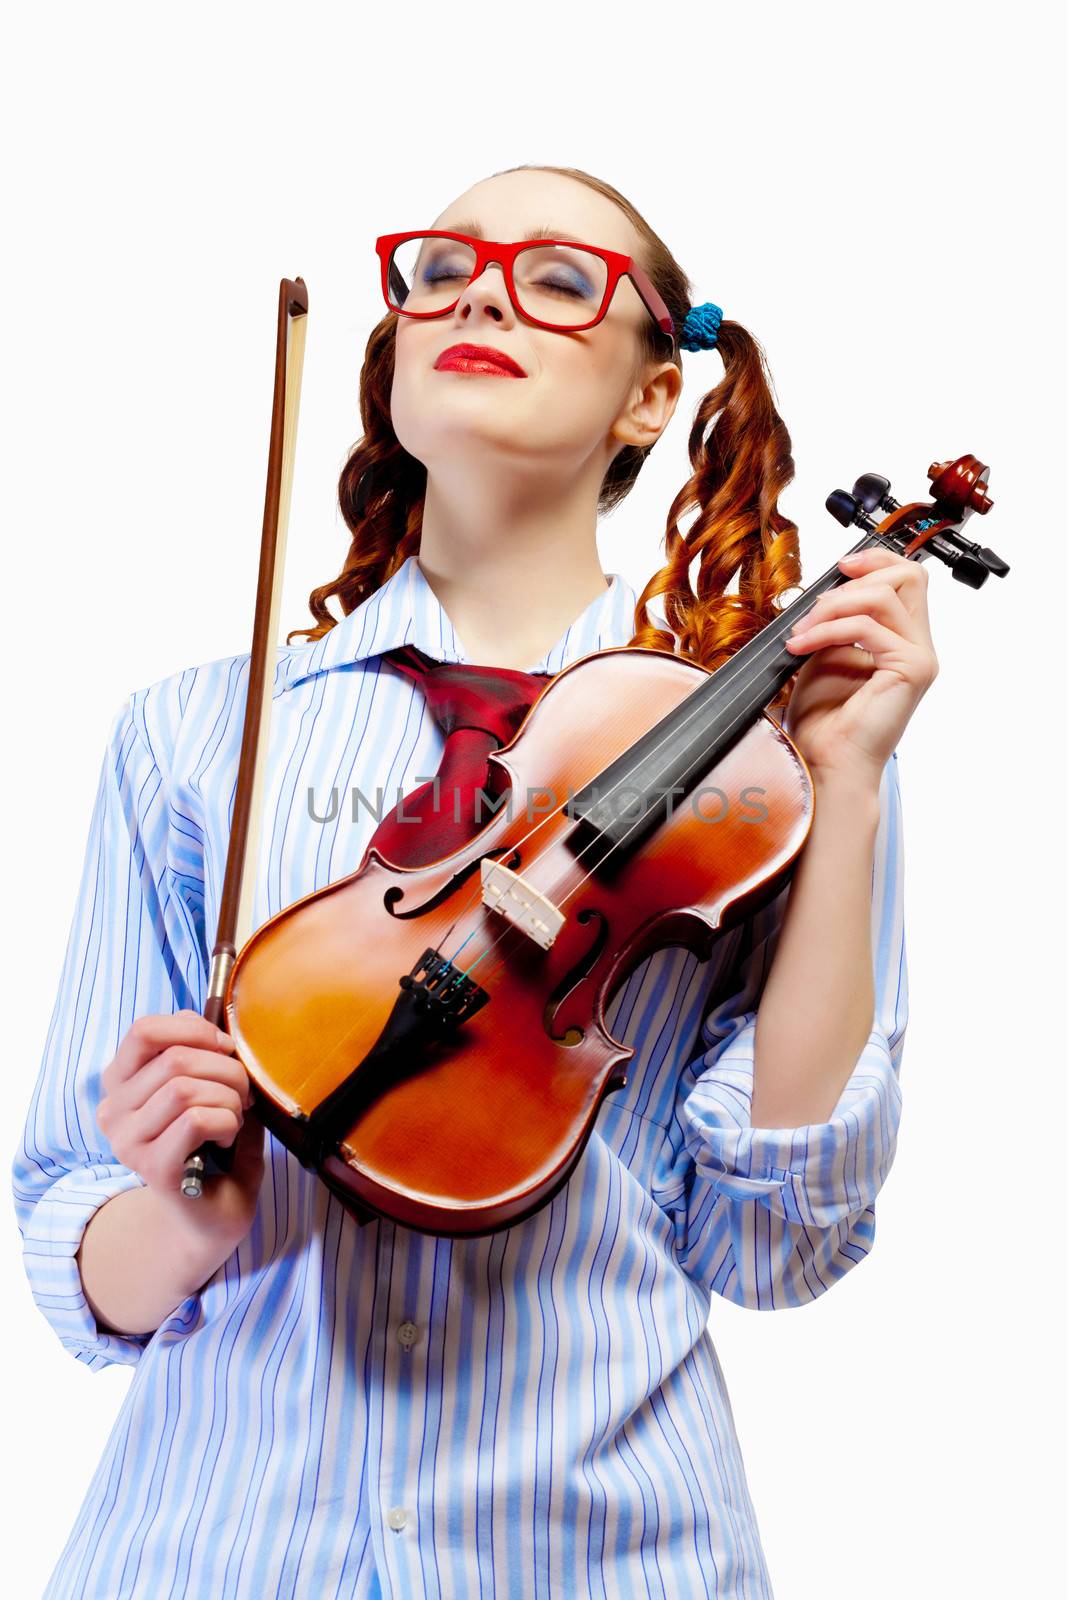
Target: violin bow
239,884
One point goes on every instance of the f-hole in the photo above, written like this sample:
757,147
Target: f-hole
577,974
396,892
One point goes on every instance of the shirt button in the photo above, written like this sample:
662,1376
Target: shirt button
396,1517
407,1333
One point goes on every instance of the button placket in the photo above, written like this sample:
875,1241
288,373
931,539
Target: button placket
408,1334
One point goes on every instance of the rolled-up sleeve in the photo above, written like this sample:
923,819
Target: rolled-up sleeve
131,950
774,1216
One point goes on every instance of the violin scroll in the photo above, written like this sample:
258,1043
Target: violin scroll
960,485
930,528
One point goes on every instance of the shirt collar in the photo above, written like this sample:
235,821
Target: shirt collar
405,610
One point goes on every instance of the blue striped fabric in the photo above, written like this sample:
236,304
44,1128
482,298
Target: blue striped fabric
350,1411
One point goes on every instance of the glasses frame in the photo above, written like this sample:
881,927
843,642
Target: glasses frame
497,252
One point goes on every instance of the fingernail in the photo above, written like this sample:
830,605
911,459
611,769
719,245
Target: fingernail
224,1040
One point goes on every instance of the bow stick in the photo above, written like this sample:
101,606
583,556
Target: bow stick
235,912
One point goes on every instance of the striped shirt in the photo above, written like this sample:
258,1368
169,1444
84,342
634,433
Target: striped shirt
356,1411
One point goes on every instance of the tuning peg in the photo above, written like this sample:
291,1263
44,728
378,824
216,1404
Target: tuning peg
993,563
973,565
843,506
847,510
872,492
969,563
969,571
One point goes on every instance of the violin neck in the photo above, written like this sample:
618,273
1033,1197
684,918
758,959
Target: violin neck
677,752
749,681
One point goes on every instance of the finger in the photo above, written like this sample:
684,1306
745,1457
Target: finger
872,597
890,652
182,1061
166,1156
174,1100
149,1035
874,556
909,577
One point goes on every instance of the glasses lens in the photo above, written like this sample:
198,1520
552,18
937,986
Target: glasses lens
427,274
559,284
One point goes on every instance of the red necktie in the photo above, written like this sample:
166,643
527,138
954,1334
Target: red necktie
478,709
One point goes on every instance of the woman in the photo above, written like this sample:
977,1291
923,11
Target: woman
325,1407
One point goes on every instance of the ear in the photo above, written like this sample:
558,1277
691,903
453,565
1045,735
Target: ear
650,406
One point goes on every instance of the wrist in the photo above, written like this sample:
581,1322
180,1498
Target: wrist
854,789
197,1252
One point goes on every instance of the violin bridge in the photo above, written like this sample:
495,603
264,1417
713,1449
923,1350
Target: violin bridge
523,905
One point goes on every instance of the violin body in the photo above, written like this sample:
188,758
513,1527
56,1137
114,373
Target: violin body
473,1128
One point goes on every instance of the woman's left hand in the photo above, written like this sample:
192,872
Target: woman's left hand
850,707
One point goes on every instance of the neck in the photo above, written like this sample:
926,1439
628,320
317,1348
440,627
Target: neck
512,570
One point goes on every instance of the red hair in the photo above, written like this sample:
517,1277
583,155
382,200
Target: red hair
739,452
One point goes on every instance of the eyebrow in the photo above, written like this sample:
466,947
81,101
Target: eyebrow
476,232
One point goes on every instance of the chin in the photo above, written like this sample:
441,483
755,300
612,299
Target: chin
448,425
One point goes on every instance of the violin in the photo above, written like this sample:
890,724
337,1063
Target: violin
431,1040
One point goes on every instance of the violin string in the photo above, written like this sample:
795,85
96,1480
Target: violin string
560,901
510,930
759,655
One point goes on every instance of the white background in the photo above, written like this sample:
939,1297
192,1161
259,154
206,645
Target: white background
871,190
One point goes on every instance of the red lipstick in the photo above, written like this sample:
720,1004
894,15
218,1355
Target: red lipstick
477,358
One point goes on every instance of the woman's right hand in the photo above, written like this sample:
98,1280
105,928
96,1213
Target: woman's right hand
175,1082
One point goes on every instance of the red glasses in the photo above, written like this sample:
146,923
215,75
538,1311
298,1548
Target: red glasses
553,283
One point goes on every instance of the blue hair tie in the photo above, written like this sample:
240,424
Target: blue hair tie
700,330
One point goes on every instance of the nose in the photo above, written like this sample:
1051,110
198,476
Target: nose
486,293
